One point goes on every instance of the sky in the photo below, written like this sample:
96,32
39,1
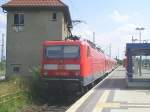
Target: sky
113,21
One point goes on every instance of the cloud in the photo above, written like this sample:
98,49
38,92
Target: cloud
119,17
118,37
3,1
84,31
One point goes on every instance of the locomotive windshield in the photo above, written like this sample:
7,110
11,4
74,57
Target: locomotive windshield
63,51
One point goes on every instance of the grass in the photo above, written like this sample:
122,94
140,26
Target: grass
2,68
2,73
10,86
33,92
14,103
6,88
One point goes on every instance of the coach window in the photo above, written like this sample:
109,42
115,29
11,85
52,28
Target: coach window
88,51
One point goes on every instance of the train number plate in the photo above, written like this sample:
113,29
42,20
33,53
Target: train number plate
62,74
61,67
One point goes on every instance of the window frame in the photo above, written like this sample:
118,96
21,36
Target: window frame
21,19
62,51
54,16
16,69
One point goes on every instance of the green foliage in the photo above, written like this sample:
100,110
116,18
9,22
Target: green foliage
2,65
2,68
34,89
15,105
13,95
37,88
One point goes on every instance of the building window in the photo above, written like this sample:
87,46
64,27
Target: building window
16,69
54,16
19,19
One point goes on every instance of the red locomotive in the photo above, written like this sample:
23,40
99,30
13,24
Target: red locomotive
74,62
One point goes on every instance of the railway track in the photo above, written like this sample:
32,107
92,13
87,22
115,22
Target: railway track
58,106
46,108
59,103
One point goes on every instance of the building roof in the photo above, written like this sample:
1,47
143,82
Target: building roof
58,4
34,3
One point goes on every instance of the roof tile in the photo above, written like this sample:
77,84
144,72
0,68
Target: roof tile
34,3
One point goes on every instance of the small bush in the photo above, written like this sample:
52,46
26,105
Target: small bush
38,89
2,66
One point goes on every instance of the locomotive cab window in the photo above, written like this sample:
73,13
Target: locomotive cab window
63,51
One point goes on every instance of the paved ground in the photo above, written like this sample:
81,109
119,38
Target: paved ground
145,74
112,95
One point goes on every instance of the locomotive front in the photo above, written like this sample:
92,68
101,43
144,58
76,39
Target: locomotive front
61,62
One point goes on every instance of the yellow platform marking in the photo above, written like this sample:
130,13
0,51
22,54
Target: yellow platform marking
101,101
108,105
135,105
101,106
78,103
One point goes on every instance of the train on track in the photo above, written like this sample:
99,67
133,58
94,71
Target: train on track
74,63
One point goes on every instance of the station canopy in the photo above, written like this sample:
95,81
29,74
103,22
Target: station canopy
138,49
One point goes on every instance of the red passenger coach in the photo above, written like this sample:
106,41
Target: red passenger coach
74,62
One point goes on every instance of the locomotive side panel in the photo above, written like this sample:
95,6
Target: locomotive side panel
93,65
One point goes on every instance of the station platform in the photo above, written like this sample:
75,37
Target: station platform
113,95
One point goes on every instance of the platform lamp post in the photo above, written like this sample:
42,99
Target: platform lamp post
140,30
140,65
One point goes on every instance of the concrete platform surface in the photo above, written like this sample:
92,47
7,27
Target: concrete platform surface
113,95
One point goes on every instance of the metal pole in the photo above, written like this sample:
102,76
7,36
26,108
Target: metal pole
118,53
140,66
110,49
140,61
2,48
140,35
93,37
140,29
